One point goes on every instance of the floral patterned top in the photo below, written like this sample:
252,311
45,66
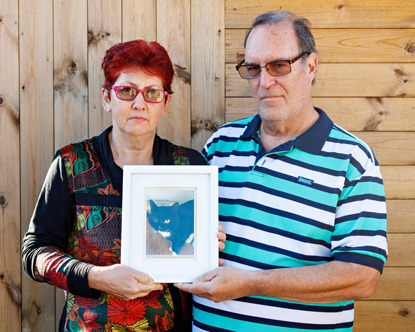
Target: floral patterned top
77,224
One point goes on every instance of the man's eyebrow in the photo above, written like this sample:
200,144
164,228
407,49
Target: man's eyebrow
246,63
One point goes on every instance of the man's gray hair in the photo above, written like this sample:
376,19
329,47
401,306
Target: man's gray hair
301,27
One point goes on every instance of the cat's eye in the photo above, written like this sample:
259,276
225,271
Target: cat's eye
167,221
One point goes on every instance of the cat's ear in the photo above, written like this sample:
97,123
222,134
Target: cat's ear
176,204
152,205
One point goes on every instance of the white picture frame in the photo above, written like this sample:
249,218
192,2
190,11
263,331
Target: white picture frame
162,246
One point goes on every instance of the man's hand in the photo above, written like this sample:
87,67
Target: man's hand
221,284
221,240
121,281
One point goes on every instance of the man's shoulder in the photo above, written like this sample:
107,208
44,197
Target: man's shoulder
234,128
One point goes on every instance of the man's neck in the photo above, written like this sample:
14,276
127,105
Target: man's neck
275,133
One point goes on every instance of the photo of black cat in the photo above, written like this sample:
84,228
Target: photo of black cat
175,222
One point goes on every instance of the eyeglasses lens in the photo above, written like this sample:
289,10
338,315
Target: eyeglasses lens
126,93
150,95
153,96
278,68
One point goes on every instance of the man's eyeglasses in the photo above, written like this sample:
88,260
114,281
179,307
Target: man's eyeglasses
274,68
130,93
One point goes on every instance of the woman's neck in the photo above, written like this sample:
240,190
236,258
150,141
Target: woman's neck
131,150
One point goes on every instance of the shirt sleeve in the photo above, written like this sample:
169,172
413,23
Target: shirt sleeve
44,244
360,229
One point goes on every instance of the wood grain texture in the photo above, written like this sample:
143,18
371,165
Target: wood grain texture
343,80
104,30
173,32
345,45
399,181
37,148
384,316
401,215
139,20
70,71
396,283
329,13
10,274
401,249
208,74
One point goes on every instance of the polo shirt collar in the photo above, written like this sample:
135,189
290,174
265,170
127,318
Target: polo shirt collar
311,141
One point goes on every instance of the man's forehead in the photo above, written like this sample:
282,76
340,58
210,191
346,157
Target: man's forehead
277,41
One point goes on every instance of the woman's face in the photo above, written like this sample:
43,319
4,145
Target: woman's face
136,117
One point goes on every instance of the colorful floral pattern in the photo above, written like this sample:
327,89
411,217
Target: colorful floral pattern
95,239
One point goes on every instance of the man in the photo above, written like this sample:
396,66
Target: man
301,199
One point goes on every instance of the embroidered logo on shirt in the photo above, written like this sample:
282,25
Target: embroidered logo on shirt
305,181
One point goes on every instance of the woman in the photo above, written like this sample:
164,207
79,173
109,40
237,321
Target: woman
73,241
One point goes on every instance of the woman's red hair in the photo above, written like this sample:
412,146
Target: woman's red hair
150,57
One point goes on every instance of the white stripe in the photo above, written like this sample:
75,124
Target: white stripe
283,204
276,313
275,240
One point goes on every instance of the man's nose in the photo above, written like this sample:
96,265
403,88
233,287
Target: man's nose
266,79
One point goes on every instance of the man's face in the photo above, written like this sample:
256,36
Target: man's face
279,98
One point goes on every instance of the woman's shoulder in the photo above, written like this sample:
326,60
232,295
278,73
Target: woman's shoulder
183,155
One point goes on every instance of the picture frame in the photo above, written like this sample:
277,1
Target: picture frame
170,221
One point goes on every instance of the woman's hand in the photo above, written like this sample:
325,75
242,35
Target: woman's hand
121,281
221,241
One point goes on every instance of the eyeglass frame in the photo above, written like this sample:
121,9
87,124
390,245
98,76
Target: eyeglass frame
290,62
115,87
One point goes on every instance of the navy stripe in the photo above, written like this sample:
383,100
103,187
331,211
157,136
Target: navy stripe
276,250
357,165
278,193
353,183
312,167
363,248
352,142
284,176
357,198
276,212
272,322
274,230
366,260
208,327
335,155
362,214
296,306
359,232
248,262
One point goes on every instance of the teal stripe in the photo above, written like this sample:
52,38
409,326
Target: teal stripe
237,325
265,256
274,221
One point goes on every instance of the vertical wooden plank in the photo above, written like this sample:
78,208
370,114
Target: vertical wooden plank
10,269
104,30
37,149
70,82
173,32
208,69
70,71
139,20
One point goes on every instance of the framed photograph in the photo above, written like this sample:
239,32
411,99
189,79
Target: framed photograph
170,221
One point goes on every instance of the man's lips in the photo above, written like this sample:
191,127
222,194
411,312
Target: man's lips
137,118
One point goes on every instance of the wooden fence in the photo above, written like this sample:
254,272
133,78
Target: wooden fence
50,79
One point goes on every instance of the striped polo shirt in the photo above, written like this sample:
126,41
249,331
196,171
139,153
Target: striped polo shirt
314,199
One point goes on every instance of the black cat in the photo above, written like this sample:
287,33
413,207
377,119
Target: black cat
177,220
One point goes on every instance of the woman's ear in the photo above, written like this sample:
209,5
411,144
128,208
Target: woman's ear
106,99
166,105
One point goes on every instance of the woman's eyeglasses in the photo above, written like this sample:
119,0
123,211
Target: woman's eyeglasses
130,93
274,68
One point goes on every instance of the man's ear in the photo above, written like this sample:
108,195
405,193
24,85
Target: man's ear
312,64
106,99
